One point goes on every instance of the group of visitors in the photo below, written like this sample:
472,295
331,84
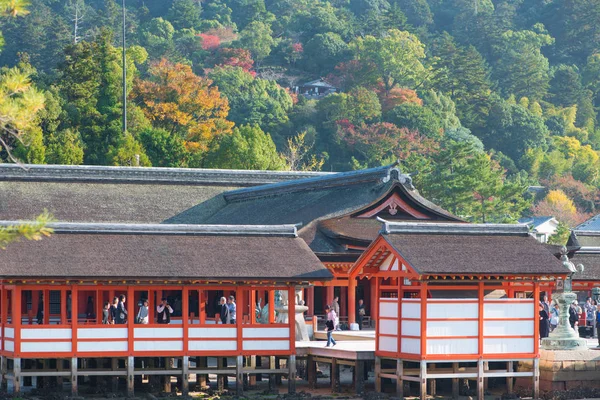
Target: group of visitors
332,322
227,310
116,313
550,312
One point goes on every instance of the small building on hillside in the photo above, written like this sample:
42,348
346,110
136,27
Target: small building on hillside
542,227
316,89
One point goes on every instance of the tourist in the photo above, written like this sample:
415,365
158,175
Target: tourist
554,314
543,321
546,304
113,310
335,306
232,309
89,309
143,313
164,312
330,324
224,311
105,313
573,314
598,323
361,313
589,312
121,311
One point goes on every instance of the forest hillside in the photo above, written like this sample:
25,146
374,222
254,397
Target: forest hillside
481,100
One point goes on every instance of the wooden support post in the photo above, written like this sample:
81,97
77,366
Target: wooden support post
377,374
399,381
278,377
292,374
130,369
432,386
311,369
202,379
16,371
329,295
510,380
185,376
455,382
486,367
536,376
239,375
3,365
423,377
480,386
252,378
272,381
359,377
310,301
74,389
351,301
221,378
335,376
114,365
167,378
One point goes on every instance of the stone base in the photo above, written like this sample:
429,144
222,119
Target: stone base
570,344
565,370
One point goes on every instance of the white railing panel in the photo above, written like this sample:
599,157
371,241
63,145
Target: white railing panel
104,347
9,332
452,328
249,345
161,345
507,309
266,333
45,347
411,309
102,333
506,345
387,343
9,345
411,328
452,346
388,326
455,311
212,345
388,308
45,333
212,333
508,328
158,333
410,346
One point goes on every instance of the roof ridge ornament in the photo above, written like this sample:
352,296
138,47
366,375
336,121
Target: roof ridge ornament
392,227
284,230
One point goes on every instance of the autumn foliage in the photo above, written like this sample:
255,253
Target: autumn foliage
177,100
397,96
557,204
233,57
209,42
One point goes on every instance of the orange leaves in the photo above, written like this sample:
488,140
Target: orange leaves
176,99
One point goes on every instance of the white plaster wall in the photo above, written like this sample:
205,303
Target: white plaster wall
388,344
411,328
9,345
45,333
102,333
266,345
452,346
45,347
151,345
452,310
266,332
452,328
508,328
9,332
212,333
158,333
388,326
94,347
411,309
410,345
212,345
507,309
388,308
502,346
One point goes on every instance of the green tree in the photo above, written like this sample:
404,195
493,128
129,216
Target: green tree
565,87
157,37
128,152
163,148
184,14
247,148
258,38
252,100
416,118
397,57
64,147
521,68
323,51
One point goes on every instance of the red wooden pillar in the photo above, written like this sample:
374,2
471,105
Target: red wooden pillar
252,305
310,300
292,317
185,316
536,324
352,300
343,301
329,295
129,306
481,292
202,307
74,313
63,305
423,318
271,306
373,305
240,306
17,321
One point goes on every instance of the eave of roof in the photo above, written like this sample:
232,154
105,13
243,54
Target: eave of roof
109,174
451,228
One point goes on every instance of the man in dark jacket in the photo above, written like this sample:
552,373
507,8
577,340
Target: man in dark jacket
164,311
224,312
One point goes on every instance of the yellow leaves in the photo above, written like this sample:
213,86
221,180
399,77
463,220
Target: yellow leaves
14,8
559,199
179,101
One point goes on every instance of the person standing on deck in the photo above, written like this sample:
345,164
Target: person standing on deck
164,312
589,312
232,309
544,325
330,324
361,313
554,314
224,311
105,313
121,311
335,306
113,310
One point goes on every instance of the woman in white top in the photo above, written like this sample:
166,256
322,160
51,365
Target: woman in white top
142,317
